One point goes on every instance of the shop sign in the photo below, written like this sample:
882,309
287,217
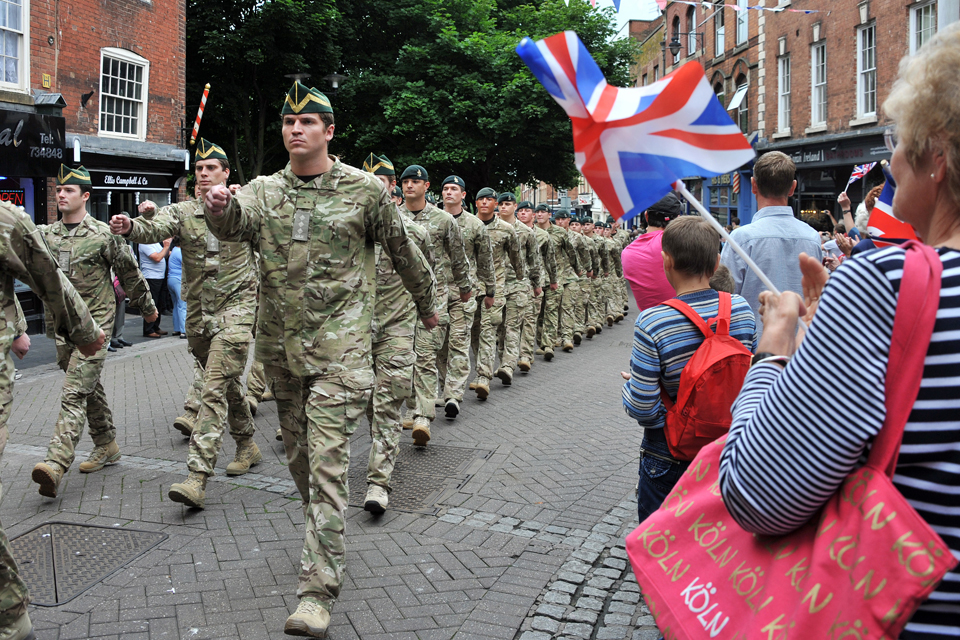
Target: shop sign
16,197
838,154
721,180
31,145
129,181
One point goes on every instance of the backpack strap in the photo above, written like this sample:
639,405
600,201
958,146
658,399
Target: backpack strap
691,315
723,315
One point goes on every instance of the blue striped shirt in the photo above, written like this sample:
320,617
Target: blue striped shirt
664,340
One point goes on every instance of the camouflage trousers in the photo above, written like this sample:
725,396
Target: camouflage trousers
14,595
490,321
528,327
453,363
223,358
611,302
256,381
191,404
596,309
508,336
624,292
393,359
550,333
583,300
82,400
569,302
317,418
428,345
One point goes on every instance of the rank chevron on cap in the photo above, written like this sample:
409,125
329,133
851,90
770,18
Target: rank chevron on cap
79,176
378,165
206,150
301,99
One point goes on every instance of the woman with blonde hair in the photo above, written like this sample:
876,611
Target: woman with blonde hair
792,443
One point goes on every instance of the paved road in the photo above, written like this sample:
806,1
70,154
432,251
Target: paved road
529,495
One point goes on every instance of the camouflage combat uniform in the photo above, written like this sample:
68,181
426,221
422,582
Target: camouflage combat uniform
452,270
623,240
549,275
394,323
220,287
579,314
558,305
454,360
506,247
314,330
86,255
24,255
519,293
601,261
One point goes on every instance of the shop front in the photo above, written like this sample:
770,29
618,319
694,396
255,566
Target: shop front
728,197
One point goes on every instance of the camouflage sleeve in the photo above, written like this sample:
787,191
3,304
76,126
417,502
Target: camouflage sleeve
533,259
458,256
586,261
240,221
550,261
617,261
20,323
163,224
572,254
24,255
126,269
515,253
386,227
483,252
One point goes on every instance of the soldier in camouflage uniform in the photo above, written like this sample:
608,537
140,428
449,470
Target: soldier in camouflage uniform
315,224
394,323
506,247
613,291
558,319
220,286
586,280
623,239
24,255
601,260
548,276
519,290
86,252
452,270
454,359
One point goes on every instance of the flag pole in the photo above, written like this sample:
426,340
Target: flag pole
681,188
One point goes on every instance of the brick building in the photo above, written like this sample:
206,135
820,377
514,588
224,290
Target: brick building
814,83
93,83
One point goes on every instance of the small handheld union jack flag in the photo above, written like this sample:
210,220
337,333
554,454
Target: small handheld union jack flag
858,172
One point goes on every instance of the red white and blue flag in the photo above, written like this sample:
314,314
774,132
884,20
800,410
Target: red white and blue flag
858,172
883,224
632,144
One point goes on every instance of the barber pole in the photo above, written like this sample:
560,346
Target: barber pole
196,125
736,182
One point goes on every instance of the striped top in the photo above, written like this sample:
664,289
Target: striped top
664,340
793,439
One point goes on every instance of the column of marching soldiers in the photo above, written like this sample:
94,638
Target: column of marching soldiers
329,268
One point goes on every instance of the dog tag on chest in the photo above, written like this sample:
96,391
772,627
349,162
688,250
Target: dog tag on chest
63,260
301,225
213,244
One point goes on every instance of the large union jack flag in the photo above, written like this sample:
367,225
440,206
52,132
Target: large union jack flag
632,144
883,224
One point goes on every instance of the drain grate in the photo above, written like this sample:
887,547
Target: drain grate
61,560
421,475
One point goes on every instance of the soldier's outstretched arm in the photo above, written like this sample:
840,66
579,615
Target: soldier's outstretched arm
24,255
130,276
235,217
483,250
162,224
458,258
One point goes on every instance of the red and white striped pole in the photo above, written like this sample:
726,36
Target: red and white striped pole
196,125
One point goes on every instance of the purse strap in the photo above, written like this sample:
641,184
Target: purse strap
917,305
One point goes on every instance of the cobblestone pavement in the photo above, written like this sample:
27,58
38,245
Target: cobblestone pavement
526,541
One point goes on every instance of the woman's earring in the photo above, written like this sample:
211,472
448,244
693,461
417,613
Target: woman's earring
933,175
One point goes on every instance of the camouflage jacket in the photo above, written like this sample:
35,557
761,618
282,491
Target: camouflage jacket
531,258
568,259
24,256
506,247
451,267
586,258
219,278
476,244
86,255
395,314
614,249
602,257
548,257
11,309
317,267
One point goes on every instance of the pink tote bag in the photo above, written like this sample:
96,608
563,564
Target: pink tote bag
859,569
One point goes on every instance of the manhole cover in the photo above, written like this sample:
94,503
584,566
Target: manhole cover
60,560
420,476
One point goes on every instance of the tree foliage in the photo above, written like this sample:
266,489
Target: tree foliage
431,82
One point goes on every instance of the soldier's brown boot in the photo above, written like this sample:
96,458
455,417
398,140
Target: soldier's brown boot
523,365
568,346
377,499
248,454
192,491
19,629
101,455
267,396
421,431
310,620
577,339
618,318
279,435
482,387
505,375
609,321
591,331
48,476
184,424
548,354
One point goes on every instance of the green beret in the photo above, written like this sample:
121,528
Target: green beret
486,192
457,180
542,207
587,220
78,176
506,196
524,204
430,198
575,219
397,192
415,172
208,151
610,220
379,165
300,100
563,213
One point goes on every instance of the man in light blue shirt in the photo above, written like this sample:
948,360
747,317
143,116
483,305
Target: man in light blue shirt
153,265
775,239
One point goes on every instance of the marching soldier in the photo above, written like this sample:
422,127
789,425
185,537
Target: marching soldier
528,330
25,256
86,252
585,284
315,223
220,285
559,318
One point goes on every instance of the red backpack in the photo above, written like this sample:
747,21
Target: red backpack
709,384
